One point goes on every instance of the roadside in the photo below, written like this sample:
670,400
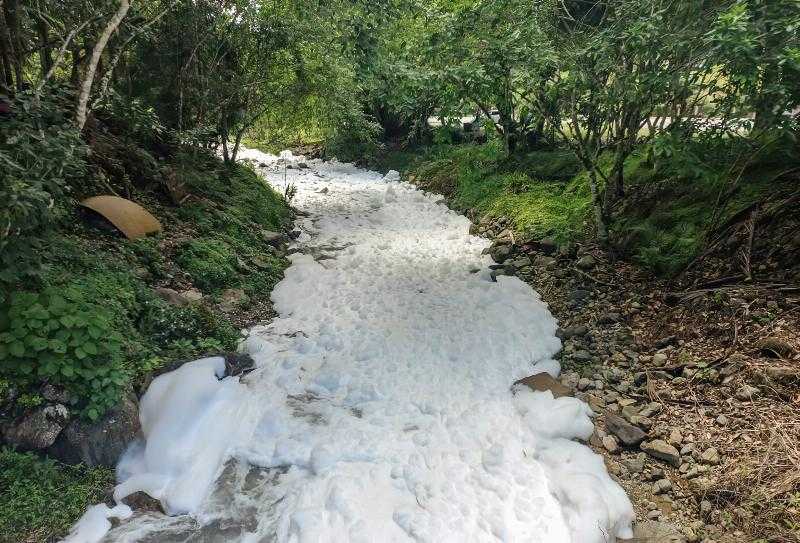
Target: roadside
694,381
149,304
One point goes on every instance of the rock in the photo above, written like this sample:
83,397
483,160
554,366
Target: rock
775,347
629,412
99,443
544,261
579,295
37,429
675,438
521,262
232,298
584,383
661,486
55,394
705,508
710,456
659,359
500,252
609,318
294,234
627,433
578,330
171,296
662,450
141,502
237,363
547,246
273,238
746,393
722,420
665,342
581,356
191,295
586,262
610,444
652,531
635,464
542,382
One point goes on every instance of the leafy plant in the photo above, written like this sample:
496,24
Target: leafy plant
57,336
40,153
210,263
40,498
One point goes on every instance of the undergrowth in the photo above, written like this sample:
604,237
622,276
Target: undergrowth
40,498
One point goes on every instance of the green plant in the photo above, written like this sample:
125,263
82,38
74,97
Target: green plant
40,498
165,325
40,153
57,336
209,262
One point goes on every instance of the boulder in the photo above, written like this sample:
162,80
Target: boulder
627,433
651,531
37,429
500,252
273,238
542,382
99,443
586,262
232,298
662,450
775,347
171,296
238,363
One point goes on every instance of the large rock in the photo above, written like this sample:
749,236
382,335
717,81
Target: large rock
586,262
776,347
38,429
500,252
627,433
232,298
651,531
544,381
99,443
658,448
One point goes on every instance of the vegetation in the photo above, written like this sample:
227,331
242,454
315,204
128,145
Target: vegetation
648,127
40,499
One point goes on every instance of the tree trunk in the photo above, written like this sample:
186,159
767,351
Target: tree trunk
13,69
597,205
91,69
45,51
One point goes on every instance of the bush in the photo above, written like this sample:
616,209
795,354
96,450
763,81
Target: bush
40,498
184,329
57,336
40,153
210,263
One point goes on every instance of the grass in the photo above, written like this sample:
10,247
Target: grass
40,498
663,222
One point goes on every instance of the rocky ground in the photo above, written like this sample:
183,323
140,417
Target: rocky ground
695,391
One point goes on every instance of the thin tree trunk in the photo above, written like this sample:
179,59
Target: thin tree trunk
91,69
13,69
45,51
597,204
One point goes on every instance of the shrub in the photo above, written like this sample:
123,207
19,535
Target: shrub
40,498
57,336
167,326
210,263
40,152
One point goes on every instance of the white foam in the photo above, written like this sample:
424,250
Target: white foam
381,408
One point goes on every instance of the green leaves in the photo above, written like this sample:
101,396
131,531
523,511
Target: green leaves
66,340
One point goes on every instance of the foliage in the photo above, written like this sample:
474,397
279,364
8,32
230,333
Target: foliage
40,498
57,336
40,153
173,328
210,263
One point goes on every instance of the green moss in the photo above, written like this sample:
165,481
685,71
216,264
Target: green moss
40,499
209,262
527,189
